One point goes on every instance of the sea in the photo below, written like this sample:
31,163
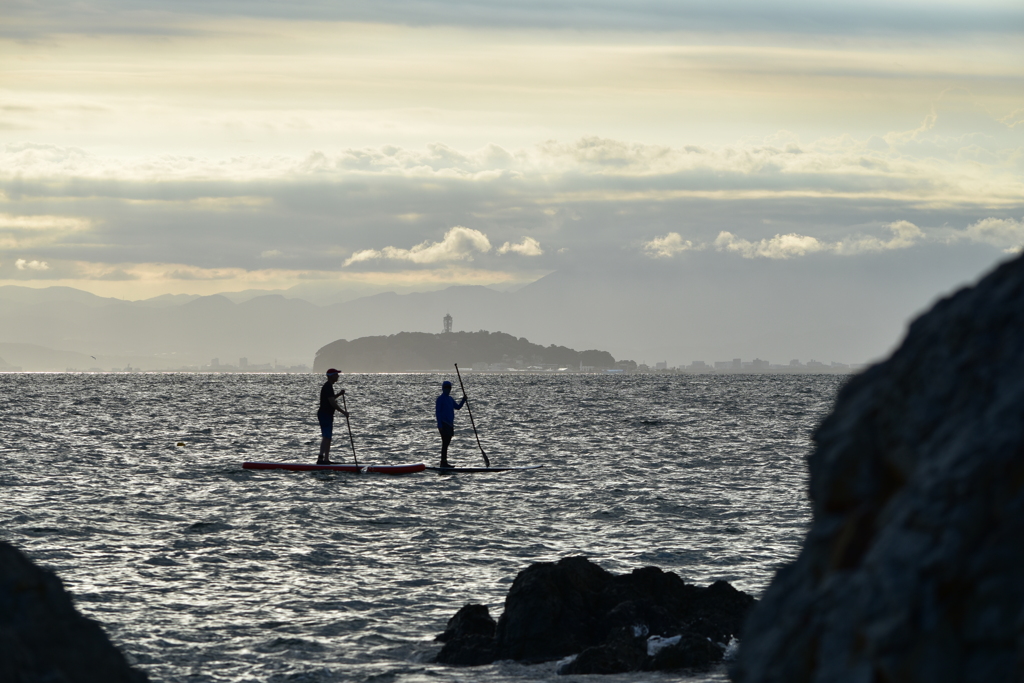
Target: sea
131,488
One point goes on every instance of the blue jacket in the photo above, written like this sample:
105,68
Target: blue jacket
445,407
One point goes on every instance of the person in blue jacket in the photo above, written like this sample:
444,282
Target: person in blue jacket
444,409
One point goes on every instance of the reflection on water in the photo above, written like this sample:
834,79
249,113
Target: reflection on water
203,571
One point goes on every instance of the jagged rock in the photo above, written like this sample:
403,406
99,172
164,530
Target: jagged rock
470,620
693,651
912,568
468,638
574,607
469,650
42,635
552,610
623,651
716,612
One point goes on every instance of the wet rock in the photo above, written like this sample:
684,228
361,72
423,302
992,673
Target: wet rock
42,635
911,570
469,650
623,651
552,610
471,620
468,638
691,651
574,607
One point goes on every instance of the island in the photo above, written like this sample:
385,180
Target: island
481,351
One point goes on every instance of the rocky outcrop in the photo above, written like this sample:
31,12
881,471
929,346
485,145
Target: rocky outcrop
468,638
913,568
648,619
42,635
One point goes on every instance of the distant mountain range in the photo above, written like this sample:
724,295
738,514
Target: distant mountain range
711,310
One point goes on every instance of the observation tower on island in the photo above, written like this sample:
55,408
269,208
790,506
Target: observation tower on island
447,323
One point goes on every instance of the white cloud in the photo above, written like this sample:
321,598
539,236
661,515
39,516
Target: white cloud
22,264
778,247
528,247
459,244
669,245
905,234
271,253
1006,233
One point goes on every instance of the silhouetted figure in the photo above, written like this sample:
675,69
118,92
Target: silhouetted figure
444,409
325,415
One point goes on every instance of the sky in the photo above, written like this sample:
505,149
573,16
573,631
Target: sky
343,148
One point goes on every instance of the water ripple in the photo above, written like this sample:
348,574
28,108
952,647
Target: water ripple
203,571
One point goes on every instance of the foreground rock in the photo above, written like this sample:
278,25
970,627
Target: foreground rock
42,635
645,620
913,569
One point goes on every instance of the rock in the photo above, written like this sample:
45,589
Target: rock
623,651
574,607
552,610
469,650
693,651
42,635
468,638
471,620
911,569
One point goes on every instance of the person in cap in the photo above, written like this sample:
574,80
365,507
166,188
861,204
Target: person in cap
325,415
444,409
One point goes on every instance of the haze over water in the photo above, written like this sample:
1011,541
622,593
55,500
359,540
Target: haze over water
203,571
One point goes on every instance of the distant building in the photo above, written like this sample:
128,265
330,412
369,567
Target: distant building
661,365
758,365
243,362
447,323
215,363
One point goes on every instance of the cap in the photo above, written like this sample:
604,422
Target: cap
446,383
332,371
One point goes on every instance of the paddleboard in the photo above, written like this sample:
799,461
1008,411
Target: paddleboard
407,468
472,470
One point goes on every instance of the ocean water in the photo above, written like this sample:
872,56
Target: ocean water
202,571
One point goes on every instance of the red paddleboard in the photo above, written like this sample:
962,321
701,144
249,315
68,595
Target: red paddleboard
407,468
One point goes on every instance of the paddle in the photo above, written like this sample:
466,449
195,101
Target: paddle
352,441
487,463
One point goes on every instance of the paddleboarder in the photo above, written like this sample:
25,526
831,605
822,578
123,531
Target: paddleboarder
325,415
444,410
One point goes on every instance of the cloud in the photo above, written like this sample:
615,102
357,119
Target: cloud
22,264
905,234
271,253
842,17
528,247
35,231
459,244
669,245
778,247
1005,233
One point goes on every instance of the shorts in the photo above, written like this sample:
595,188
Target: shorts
446,430
326,424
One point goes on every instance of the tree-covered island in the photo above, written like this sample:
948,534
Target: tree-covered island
423,352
